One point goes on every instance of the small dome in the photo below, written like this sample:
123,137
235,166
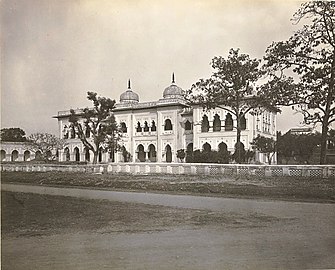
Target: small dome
173,91
129,96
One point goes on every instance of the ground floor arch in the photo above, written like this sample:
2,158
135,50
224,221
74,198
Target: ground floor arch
14,155
152,155
76,154
26,155
141,153
168,153
3,155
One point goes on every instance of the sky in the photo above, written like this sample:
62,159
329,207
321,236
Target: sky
54,51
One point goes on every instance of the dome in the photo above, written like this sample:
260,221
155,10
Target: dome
173,90
129,96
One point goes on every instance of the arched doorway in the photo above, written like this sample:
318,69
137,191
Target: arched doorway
76,154
206,147
140,153
66,155
38,155
3,155
26,155
152,153
189,152
100,155
15,155
168,153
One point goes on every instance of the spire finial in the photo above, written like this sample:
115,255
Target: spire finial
173,77
129,84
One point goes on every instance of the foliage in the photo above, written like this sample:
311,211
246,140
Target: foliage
239,152
265,145
12,135
181,154
231,87
45,143
101,125
126,155
309,55
300,147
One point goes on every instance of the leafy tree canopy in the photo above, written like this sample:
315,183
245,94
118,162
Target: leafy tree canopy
265,145
309,55
13,135
46,143
96,127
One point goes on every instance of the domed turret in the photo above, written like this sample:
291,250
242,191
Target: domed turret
173,91
129,96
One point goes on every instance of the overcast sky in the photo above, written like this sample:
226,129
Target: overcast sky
54,51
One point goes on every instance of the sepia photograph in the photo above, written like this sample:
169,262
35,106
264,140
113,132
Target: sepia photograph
166,134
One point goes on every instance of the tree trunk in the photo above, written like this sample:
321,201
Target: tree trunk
95,157
324,135
238,140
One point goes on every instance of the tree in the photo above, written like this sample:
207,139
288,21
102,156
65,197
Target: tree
231,87
99,123
47,144
12,135
265,145
285,146
304,146
309,55
181,154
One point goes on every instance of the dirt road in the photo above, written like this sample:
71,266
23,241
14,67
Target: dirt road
282,235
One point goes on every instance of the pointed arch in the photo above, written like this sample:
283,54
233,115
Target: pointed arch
123,127
205,124
206,147
146,127
168,124
216,123
138,128
38,155
87,155
168,153
188,125
152,155
153,126
140,153
76,154
100,154
228,122
66,154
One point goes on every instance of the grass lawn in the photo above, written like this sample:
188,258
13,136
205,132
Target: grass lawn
283,188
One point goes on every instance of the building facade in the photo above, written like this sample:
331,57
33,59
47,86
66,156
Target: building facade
154,131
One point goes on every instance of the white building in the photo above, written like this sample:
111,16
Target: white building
154,131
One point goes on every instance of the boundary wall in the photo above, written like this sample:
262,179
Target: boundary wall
316,171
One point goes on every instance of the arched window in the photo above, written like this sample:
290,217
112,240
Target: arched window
3,155
217,123
206,147
26,155
153,126
38,155
65,132
146,127
204,124
15,155
76,154
152,153
228,122
243,122
140,153
188,125
123,127
100,154
168,125
168,153
222,147
66,154
139,128
88,131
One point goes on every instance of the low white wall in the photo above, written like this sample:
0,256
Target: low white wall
324,171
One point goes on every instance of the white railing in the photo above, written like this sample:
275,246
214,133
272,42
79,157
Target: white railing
316,171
